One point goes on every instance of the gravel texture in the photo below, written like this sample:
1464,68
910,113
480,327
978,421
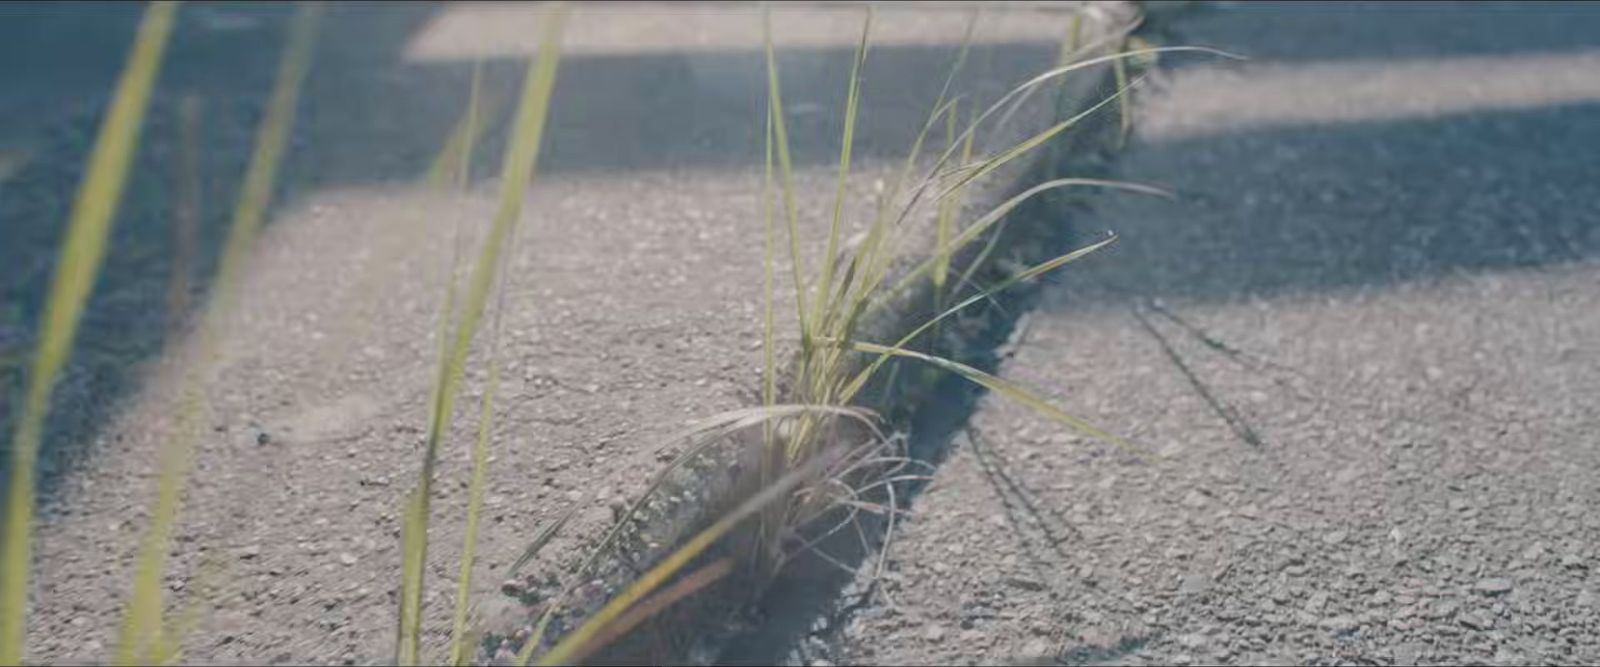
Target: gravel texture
1361,350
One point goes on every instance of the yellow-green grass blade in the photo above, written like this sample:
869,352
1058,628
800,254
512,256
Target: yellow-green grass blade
876,253
516,172
978,226
480,451
273,136
688,585
780,135
1032,272
1001,159
708,432
582,638
1066,53
1119,69
453,164
1006,389
949,208
772,459
846,143
700,436
967,173
142,616
939,107
1042,79
945,218
168,648
480,467
76,269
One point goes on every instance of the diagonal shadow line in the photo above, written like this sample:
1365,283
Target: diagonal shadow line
1267,367
1247,360
1226,412
1019,501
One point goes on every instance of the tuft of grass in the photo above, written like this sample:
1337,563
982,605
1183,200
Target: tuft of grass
517,171
826,376
76,269
144,637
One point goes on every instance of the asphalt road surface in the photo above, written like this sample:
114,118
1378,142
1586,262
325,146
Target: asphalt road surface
1365,344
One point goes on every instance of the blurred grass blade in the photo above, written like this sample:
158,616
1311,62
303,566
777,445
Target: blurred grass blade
76,269
521,161
769,371
700,436
459,645
142,617
780,135
186,213
475,487
846,143
582,638
1045,77
1119,70
453,164
1006,389
772,460
542,538
168,649
469,544
945,218
988,166
1033,272
949,209
655,604
978,226
940,106
968,173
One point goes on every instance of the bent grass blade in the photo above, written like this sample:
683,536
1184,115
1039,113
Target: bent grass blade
521,161
76,270
143,627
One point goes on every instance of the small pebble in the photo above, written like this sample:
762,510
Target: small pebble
1494,586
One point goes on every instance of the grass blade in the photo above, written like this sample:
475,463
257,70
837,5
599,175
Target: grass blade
988,166
583,637
186,213
480,450
780,135
1033,83
542,538
700,436
949,208
1119,69
1006,389
76,269
517,171
1033,272
846,143
653,605
978,226
453,164
142,624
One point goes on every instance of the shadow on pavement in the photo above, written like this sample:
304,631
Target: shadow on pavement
1329,205
369,117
